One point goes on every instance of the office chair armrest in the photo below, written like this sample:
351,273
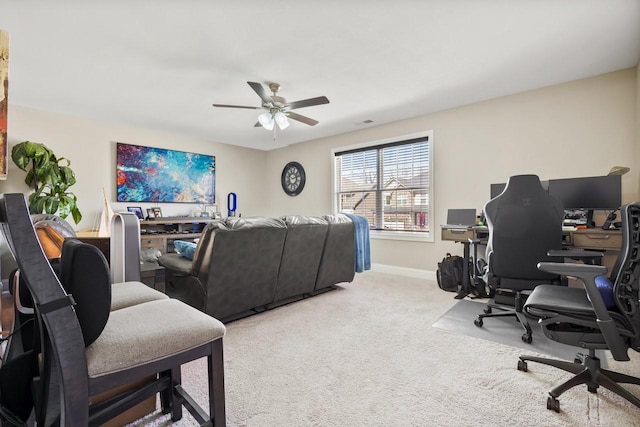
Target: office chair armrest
587,274
574,253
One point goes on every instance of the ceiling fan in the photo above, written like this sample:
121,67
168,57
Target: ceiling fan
278,110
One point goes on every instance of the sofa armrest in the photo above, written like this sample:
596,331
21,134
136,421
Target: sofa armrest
176,264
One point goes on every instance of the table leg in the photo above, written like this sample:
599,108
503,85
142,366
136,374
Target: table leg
466,283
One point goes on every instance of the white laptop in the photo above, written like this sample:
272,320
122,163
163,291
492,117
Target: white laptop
461,218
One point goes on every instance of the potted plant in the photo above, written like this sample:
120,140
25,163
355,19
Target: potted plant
50,177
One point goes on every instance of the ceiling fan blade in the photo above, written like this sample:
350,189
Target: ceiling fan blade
301,118
308,102
237,106
262,93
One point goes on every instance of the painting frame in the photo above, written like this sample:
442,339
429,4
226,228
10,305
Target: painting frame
150,214
157,212
160,175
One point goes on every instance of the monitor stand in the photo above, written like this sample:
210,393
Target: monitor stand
590,222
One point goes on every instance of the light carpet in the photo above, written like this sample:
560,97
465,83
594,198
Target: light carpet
368,355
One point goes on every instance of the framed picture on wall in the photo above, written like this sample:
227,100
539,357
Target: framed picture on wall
136,210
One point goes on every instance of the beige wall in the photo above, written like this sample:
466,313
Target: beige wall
90,145
580,128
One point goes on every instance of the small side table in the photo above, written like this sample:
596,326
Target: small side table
152,275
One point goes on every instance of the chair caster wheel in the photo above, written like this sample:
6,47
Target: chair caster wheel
522,366
592,389
527,338
478,322
487,310
553,404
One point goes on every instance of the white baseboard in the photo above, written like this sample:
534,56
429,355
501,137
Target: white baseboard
404,271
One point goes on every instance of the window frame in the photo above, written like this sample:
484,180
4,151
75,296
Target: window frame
390,234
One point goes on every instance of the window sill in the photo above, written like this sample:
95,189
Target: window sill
402,235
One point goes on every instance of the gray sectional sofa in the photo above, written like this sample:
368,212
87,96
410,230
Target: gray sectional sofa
246,265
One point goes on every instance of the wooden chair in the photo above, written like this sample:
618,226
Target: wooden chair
150,339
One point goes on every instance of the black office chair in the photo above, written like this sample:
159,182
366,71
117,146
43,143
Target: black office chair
524,224
605,316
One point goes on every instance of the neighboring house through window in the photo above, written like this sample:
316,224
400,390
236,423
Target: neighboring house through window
389,183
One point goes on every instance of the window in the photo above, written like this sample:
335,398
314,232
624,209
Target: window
389,183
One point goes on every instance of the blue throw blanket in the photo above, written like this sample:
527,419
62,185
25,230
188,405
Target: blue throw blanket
362,244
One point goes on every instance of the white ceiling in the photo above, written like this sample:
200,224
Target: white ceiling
161,64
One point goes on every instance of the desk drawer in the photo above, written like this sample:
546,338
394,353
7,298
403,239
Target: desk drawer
456,234
596,240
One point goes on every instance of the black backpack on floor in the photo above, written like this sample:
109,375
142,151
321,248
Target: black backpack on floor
449,273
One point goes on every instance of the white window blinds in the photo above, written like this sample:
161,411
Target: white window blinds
388,184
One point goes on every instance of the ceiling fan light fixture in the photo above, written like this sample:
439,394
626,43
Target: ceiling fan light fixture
282,120
266,120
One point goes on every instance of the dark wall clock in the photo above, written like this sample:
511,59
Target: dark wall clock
293,178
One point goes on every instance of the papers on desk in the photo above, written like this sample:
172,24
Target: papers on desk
569,228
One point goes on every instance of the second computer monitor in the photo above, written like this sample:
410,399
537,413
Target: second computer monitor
591,193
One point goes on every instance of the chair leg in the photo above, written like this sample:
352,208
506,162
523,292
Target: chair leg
583,377
176,404
508,312
215,365
166,395
527,337
620,378
606,381
589,372
574,368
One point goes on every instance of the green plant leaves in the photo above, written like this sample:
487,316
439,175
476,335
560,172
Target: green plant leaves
50,178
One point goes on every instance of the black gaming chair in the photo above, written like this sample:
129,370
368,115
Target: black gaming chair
524,222
605,314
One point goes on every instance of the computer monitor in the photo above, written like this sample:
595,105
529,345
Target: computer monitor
589,193
496,189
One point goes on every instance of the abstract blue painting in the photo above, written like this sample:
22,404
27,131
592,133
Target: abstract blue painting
149,174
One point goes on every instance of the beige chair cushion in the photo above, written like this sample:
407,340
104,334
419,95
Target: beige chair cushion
147,332
126,294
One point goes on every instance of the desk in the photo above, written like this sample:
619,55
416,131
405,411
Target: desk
596,239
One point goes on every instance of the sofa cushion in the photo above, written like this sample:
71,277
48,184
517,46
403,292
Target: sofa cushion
127,294
301,255
176,263
150,323
338,257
